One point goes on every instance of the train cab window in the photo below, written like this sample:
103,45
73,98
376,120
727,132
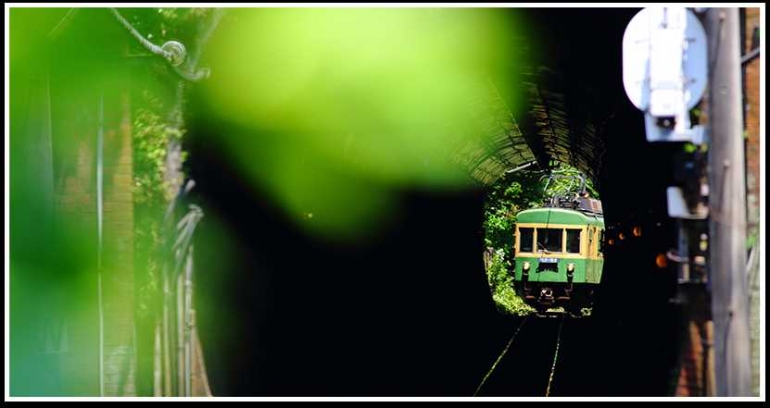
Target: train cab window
525,239
549,239
573,241
601,242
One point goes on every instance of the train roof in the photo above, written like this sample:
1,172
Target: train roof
559,216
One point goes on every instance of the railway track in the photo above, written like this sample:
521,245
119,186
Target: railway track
528,363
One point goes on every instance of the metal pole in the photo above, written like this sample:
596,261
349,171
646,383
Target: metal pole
166,332
99,220
728,203
179,334
158,362
522,167
188,324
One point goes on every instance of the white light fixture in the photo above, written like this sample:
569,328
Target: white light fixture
665,71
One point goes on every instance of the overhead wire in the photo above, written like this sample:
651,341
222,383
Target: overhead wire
172,51
147,44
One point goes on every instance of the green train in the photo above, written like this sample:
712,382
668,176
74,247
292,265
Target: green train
558,253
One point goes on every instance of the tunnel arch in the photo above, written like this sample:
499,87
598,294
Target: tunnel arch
559,122
284,286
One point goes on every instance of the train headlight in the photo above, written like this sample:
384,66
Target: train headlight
525,266
570,268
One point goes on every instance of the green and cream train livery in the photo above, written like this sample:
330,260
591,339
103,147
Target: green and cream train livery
558,254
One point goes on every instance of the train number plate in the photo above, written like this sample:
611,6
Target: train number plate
549,260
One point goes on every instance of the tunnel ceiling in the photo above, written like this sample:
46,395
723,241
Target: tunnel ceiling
501,144
560,122
569,96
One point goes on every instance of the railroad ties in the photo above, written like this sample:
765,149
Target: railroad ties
528,362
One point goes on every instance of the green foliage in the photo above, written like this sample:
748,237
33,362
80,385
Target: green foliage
147,241
501,284
331,111
563,184
154,127
151,137
751,238
513,193
157,110
497,270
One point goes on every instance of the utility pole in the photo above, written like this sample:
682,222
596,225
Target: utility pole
727,215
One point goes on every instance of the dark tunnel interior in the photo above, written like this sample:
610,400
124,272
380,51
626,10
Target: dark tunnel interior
410,313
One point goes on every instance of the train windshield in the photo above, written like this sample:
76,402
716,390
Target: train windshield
573,241
525,239
549,239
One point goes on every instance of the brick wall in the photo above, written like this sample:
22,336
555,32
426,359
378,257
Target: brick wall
118,259
75,202
753,175
752,121
689,377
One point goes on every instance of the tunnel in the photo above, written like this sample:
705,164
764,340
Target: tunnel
410,313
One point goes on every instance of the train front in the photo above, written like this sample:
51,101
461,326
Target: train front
558,258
